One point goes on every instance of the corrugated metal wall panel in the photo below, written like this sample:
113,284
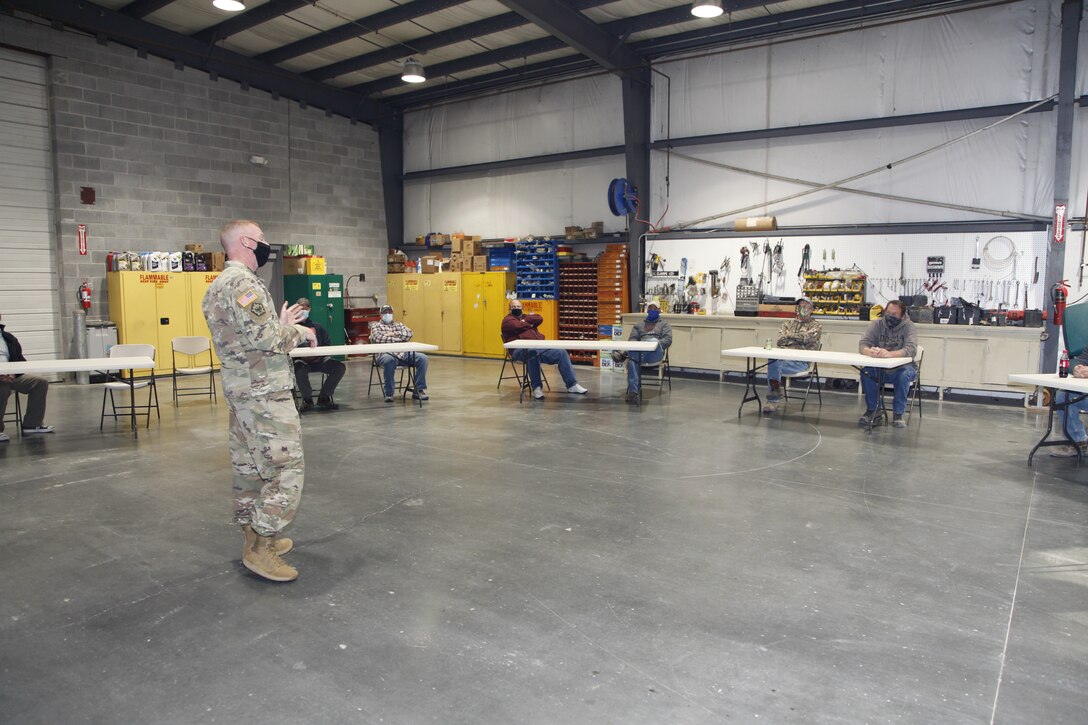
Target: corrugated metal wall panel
28,267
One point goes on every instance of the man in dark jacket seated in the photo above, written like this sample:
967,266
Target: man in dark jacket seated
333,369
34,387
518,326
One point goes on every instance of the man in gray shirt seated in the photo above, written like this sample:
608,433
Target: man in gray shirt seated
652,328
893,335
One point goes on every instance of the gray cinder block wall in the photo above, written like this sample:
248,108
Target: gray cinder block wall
168,152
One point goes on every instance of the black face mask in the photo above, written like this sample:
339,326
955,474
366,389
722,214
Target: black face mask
261,253
893,321
516,313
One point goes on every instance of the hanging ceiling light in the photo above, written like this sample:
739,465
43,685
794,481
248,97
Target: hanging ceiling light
231,6
706,8
413,71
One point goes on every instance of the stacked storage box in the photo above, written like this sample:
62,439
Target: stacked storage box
537,270
612,291
578,306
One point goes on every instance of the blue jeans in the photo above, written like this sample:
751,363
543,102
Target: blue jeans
533,358
637,359
777,368
390,363
1076,425
900,378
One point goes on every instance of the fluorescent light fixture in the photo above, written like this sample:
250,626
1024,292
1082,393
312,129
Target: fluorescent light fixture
706,8
235,6
413,71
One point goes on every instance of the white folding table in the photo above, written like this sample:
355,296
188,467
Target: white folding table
1054,383
368,349
821,357
99,364
588,345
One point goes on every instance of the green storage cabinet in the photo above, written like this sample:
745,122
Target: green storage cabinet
326,295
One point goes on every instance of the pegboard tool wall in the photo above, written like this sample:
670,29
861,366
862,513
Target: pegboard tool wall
1005,259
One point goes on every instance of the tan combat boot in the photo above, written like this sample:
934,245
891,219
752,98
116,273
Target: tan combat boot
281,546
263,561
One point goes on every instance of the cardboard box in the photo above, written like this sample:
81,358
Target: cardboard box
756,223
214,261
471,248
198,248
479,263
438,240
432,263
315,265
294,265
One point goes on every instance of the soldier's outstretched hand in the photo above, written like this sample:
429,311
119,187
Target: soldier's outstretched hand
290,315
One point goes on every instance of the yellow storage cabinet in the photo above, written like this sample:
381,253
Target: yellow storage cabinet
199,282
430,304
549,310
483,305
151,308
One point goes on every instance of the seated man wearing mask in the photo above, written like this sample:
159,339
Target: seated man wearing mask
388,331
800,333
518,326
893,335
653,328
333,369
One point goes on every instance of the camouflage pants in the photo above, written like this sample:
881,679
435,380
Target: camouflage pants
266,454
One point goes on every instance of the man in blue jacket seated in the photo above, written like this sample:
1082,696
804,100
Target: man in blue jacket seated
334,369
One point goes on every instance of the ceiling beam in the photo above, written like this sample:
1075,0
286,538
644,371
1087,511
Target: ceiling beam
249,19
427,43
101,22
717,34
355,28
418,46
817,16
142,8
562,21
453,67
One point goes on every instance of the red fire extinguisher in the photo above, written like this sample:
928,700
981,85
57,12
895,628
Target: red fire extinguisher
85,295
1060,293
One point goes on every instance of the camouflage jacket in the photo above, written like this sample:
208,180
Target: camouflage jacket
251,343
800,334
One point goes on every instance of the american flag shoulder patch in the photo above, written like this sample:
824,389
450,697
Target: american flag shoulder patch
247,299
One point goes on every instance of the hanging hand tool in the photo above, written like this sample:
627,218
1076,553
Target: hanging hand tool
804,262
903,271
976,262
1035,278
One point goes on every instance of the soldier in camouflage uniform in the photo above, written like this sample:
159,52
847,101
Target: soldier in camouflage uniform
252,343
800,333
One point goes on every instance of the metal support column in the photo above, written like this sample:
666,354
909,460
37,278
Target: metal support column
391,152
636,143
1055,257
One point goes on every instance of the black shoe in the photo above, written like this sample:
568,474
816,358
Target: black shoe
326,404
632,398
871,419
306,405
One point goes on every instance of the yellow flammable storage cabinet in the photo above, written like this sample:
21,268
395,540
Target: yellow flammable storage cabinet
429,304
549,310
483,306
151,308
199,282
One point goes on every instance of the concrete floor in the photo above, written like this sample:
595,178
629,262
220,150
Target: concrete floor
572,561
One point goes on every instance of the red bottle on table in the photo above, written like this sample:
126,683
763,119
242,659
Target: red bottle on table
1063,365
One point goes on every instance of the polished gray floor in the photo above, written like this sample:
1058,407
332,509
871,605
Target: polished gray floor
572,561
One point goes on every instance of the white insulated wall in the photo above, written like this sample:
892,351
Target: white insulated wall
28,278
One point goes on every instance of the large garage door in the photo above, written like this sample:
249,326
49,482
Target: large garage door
29,301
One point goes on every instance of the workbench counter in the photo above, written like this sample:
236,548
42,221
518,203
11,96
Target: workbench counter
973,357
